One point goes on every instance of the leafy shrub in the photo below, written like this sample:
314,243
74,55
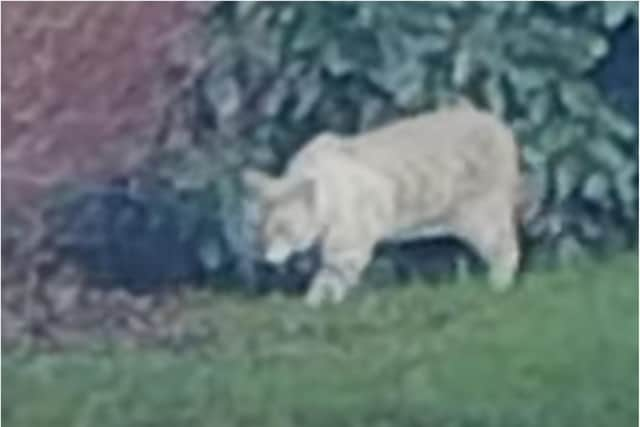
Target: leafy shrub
280,72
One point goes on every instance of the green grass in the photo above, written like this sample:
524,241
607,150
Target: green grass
561,350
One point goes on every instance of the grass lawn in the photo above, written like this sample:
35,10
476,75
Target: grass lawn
561,350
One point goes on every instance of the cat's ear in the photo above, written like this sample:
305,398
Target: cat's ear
270,189
258,183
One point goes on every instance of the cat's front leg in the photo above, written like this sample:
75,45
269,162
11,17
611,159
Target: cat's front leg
338,274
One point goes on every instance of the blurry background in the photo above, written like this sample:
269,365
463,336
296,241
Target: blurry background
124,126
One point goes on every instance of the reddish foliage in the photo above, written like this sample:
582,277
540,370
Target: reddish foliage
79,77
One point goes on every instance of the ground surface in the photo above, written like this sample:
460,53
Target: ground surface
560,351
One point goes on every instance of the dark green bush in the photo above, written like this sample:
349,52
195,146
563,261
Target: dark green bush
280,72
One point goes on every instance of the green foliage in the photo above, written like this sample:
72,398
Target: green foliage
560,352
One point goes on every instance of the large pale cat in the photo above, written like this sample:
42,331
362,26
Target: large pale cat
452,172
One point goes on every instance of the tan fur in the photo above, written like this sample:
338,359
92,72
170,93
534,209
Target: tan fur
451,172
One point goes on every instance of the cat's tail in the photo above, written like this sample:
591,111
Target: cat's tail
528,201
